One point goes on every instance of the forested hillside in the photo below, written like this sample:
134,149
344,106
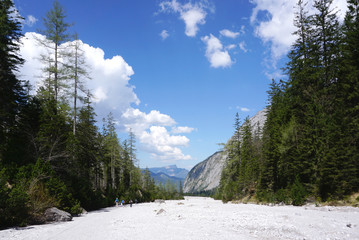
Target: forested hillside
309,146
52,152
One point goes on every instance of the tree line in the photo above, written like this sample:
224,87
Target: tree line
309,145
52,152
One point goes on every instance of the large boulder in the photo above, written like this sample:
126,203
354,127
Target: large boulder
56,215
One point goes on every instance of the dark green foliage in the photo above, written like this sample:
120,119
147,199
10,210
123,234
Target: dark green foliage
12,93
310,144
50,157
298,193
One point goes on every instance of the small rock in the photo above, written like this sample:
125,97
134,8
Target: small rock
349,225
161,211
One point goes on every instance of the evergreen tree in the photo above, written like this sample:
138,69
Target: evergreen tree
347,114
268,179
12,94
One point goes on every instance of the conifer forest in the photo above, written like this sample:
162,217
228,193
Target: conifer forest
309,145
53,152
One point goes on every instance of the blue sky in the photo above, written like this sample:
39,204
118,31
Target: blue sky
175,72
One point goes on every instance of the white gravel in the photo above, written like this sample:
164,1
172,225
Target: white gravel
201,218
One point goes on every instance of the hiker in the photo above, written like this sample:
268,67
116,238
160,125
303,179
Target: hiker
131,203
116,201
123,203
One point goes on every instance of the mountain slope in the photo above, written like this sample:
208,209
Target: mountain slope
205,176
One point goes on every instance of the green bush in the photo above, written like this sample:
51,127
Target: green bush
17,207
282,195
298,193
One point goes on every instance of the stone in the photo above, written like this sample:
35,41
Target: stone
56,215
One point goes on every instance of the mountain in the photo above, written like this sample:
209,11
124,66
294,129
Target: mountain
164,178
172,171
205,176
169,173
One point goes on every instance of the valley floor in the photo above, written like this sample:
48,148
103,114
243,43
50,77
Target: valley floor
201,218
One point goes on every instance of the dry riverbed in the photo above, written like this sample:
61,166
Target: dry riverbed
201,218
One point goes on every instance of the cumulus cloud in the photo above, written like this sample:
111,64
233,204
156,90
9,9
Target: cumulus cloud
30,20
153,135
109,76
216,55
164,34
139,121
164,146
277,28
177,130
229,34
193,15
113,93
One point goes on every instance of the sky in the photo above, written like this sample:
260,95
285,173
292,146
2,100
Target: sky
175,72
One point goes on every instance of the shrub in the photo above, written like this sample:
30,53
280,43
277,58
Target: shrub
282,195
298,193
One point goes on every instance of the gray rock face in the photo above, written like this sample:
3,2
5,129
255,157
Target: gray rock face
206,175
56,215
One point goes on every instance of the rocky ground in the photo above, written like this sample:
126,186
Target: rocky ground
201,218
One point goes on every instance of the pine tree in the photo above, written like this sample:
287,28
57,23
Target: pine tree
12,93
248,162
347,114
268,179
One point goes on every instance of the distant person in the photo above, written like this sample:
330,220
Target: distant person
136,201
123,203
117,202
131,203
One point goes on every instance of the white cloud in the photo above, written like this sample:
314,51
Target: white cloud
215,53
139,121
244,109
163,146
30,20
193,15
110,77
242,46
113,93
153,135
277,29
177,130
164,34
231,46
229,34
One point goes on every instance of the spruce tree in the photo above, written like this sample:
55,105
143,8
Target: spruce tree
347,102
12,94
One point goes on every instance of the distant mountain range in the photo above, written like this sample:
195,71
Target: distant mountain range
172,171
169,173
